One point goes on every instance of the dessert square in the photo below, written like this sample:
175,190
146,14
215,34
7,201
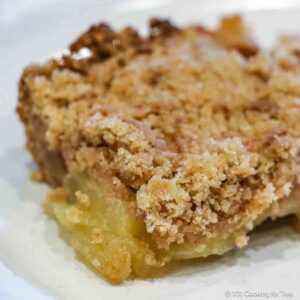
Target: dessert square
166,147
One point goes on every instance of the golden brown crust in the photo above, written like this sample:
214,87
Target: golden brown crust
198,123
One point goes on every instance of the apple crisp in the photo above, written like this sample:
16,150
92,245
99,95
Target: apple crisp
165,147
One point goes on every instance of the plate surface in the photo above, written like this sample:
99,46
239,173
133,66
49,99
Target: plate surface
35,261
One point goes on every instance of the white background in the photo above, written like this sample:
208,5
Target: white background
35,261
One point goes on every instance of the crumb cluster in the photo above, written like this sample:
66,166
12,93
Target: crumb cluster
201,125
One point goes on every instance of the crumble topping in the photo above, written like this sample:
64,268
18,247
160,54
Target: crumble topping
37,176
73,214
96,263
83,198
97,236
201,125
241,240
57,195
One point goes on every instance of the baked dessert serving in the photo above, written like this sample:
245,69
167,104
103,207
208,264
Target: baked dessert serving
165,147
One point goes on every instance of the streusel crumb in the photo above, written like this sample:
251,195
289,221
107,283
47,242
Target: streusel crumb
200,125
37,176
57,195
73,214
97,236
83,198
241,240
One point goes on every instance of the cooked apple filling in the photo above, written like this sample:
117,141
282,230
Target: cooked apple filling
106,232
166,147
108,235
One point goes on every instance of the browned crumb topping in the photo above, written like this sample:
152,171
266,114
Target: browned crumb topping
57,195
83,198
199,124
97,236
73,214
241,240
37,176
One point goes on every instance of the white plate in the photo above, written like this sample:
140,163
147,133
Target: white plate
35,261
